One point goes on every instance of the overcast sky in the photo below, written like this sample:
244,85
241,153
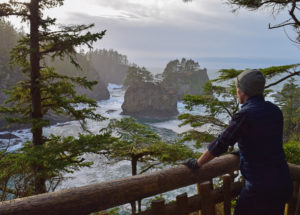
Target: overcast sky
153,32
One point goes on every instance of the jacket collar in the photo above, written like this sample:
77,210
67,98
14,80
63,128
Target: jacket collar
254,99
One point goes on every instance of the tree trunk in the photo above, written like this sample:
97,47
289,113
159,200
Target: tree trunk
133,172
134,165
139,205
36,114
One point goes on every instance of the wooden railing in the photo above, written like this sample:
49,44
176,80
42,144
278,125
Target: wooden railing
106,195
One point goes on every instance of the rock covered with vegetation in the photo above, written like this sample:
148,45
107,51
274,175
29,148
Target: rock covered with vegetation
150,100
185,76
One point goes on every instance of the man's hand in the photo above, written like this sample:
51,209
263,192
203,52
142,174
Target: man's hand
191,163
236,153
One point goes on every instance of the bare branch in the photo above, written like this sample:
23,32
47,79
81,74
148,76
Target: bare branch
286,77
149,167
292,12
227,110
285,23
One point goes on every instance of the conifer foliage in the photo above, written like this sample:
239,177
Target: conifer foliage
45,90
137,75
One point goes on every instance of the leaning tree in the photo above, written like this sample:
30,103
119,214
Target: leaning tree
138,143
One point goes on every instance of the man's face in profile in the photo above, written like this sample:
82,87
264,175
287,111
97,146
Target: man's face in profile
241,96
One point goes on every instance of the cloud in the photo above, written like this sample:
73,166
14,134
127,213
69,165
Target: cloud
207,38
153,32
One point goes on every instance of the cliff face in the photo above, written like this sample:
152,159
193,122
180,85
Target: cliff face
150,100
99,92
190,82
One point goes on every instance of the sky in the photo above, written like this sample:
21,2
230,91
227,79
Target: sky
153,32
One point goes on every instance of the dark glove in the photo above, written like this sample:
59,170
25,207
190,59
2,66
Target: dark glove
191,163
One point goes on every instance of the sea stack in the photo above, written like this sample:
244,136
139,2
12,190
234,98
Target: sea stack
150,100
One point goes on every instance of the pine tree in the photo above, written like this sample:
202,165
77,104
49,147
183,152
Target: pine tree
137,75
43,91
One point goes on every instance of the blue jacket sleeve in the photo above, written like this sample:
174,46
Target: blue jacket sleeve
230,135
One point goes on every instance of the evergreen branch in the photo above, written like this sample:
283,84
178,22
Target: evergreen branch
44,35
8,190
142,154
198,136
254,5
197,120
65,43
7,10
227,110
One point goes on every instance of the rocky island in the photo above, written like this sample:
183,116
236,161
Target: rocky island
185,76
149,100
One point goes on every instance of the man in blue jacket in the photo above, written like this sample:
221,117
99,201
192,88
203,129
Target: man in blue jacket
257,128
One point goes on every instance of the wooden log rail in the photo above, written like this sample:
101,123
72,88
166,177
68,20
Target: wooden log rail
105,195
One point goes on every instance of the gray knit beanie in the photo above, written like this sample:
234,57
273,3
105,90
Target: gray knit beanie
251,82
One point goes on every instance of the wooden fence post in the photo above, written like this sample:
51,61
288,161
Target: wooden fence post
182,204
198,192
207,203
158,207
227,194
298,203
292,203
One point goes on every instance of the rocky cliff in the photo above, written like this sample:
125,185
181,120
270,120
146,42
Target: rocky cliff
149,100
99,92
